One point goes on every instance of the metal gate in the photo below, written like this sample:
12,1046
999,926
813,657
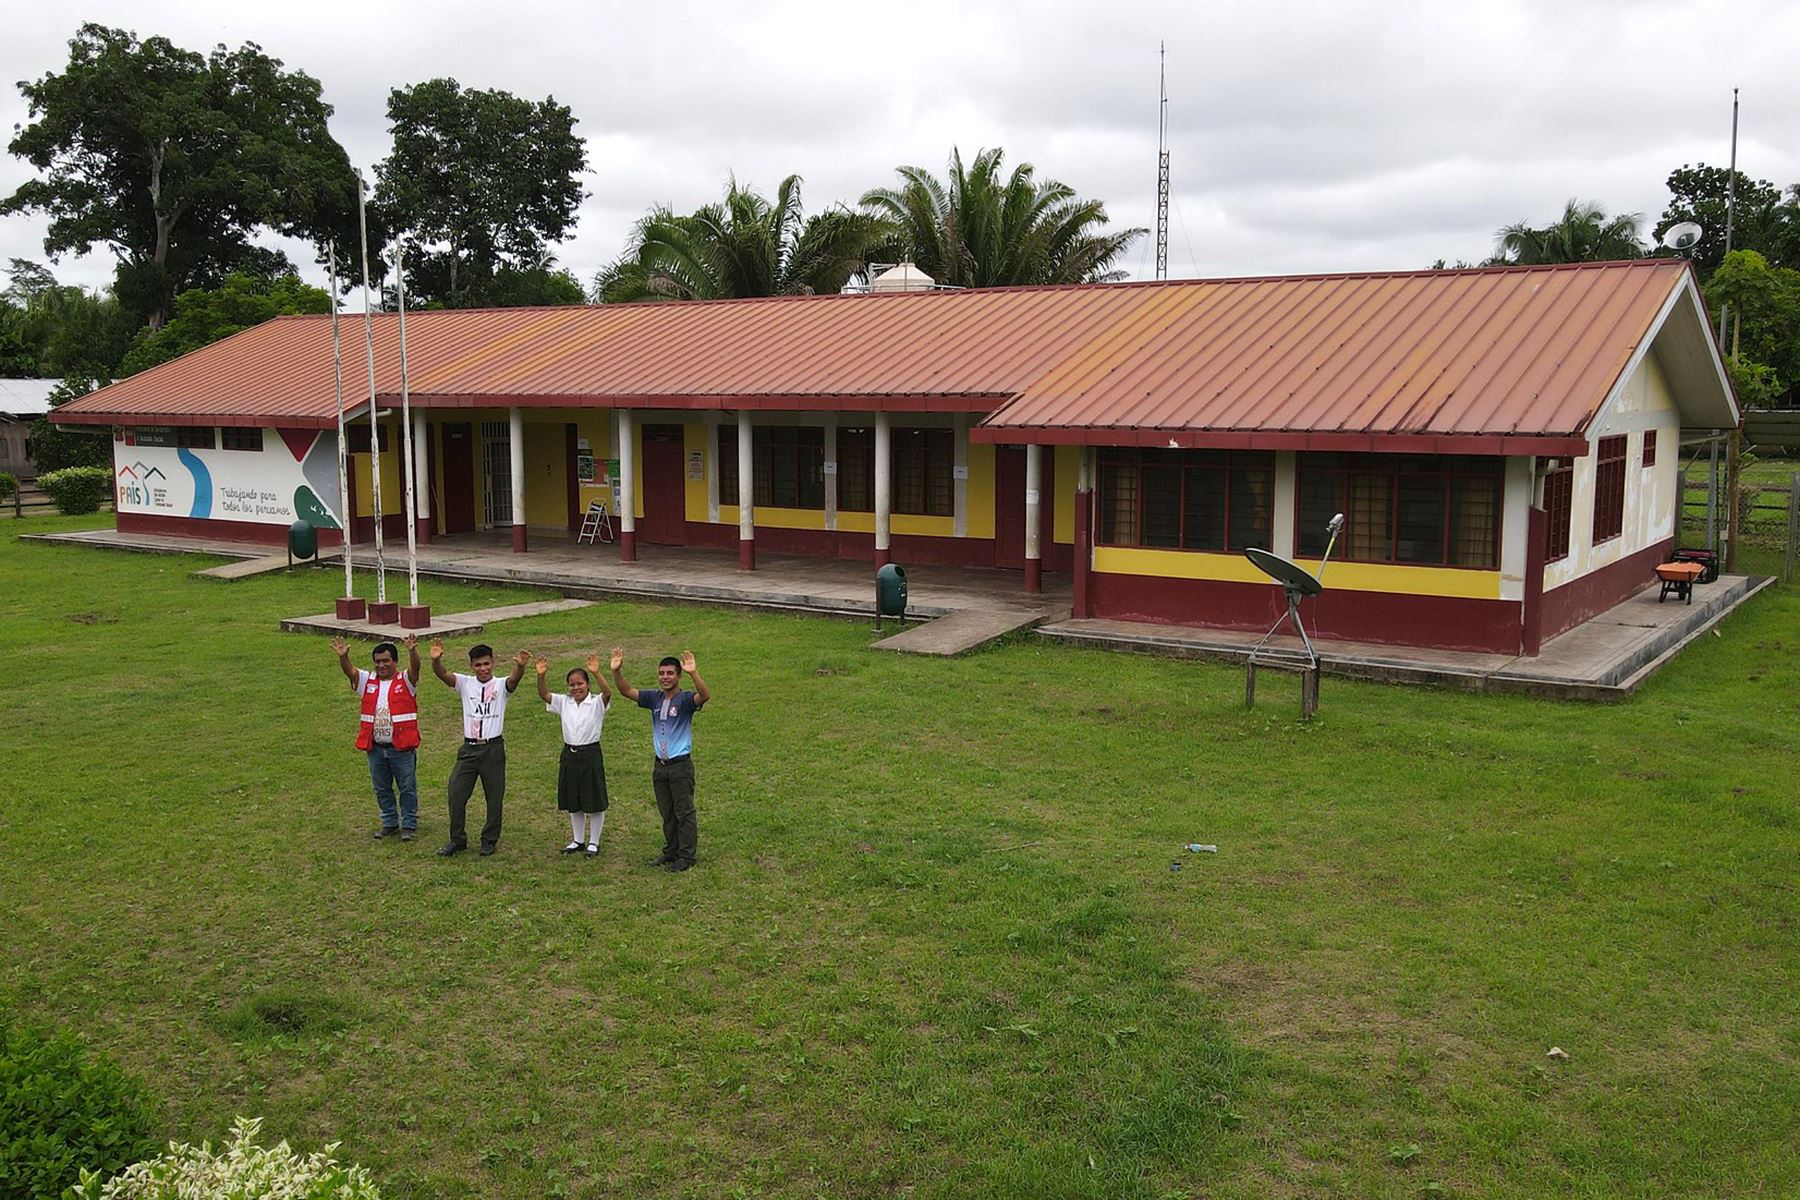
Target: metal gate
496,473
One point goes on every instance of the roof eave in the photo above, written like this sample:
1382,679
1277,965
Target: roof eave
1557,444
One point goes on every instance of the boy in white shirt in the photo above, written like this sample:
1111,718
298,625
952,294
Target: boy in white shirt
483,752
581,776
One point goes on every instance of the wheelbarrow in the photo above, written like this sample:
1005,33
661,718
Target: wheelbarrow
1678,579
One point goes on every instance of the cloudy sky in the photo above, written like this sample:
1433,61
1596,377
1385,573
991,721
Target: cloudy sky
1305,136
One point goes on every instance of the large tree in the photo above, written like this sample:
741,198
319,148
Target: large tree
1584,233
484,182
176,161
747,245
55,331
1763,218
979,227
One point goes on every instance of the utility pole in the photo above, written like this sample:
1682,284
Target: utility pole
1162,163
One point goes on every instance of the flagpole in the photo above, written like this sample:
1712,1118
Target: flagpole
362,224
406,439
1730,202
343,446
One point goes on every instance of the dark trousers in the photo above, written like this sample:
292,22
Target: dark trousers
674,784
488,764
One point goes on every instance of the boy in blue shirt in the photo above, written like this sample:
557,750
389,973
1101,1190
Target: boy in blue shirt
672,741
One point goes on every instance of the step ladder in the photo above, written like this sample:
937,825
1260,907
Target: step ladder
596,525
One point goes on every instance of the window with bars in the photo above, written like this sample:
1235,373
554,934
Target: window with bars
194,437
1559,495
1415,509
234,437
1186,499
856,469
789,465
1609,489
923,471
1649,447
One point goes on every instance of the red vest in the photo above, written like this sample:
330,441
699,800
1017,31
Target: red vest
403,706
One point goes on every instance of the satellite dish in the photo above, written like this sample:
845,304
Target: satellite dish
1683,237
1288,574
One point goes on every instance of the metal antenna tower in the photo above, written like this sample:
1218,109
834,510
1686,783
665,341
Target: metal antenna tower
1162,164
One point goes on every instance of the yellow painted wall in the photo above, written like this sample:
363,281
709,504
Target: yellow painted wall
1340,576
1068,470
393,500
693,441
597,425
546,475
980,493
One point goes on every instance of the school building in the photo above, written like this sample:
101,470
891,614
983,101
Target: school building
1504,442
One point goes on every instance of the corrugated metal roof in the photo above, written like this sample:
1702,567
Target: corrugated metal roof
1520,352
26,397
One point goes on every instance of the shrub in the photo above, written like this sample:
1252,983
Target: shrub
77,489
63,1112
240,1169
9,487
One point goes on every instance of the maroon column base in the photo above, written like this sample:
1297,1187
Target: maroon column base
627,545
746,554
384,612
415,616
1034,574
883,556
518,539
351,608
422,530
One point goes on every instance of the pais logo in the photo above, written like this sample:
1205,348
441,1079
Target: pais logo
135,482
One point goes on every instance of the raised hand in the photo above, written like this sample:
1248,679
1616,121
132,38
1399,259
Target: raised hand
593,663
523,658
687,661
618,657
339,646
437,648
543,666
410,641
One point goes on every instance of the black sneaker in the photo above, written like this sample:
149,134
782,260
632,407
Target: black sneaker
407,835
387,831
452,848
661,860
680,864
487,849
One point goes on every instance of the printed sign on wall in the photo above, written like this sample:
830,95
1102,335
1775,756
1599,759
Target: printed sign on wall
293,477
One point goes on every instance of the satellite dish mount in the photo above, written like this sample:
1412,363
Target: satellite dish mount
1297,583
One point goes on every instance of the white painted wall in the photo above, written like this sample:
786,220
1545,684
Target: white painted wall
1652,496
274,486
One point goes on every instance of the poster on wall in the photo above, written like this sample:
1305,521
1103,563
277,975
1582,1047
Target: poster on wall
584,466
293,477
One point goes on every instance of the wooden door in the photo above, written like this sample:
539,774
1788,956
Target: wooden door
1009,507
458,511
664,522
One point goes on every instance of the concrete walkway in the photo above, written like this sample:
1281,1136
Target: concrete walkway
966,629
1606,658
442,624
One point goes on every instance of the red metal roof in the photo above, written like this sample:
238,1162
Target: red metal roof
1460,358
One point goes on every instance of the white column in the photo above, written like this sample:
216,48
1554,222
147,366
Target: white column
830,468
1282,525
625,448
515,447
746,497
1034,516
884,488
421,473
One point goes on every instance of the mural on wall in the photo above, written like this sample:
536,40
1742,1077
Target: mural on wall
293,477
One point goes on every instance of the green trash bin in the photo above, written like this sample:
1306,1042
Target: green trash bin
890,593
303,541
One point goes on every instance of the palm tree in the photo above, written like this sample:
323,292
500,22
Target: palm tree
745,246
980,229
1584,234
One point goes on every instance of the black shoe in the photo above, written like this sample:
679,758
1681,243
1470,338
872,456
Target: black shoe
487,849
661,860
387,831
680,864
572,848
593,850
407,835
452,848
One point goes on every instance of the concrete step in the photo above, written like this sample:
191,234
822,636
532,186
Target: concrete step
442,624
246,567
963,631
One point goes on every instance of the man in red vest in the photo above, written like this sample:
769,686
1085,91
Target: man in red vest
389,732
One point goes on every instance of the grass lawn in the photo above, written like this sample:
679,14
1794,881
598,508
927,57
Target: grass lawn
934,946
